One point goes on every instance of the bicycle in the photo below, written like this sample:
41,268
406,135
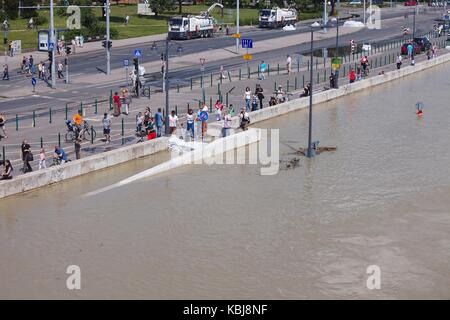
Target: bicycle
71,135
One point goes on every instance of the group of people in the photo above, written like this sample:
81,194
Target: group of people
59,157
149,125
122,100
254,100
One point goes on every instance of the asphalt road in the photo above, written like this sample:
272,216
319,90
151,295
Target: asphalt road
94,62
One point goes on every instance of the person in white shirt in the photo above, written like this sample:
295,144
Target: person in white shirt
226,124
173,119
288,64
190,123
60,70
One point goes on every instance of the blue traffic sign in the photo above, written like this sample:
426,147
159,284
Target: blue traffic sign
33,81
247,43
203,116
126,62
51,46
137,53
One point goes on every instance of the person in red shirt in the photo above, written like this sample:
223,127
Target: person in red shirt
117,104
352,76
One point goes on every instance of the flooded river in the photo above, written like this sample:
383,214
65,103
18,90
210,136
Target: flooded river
225,231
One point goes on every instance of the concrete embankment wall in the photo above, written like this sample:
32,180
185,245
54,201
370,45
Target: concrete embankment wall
324,96
73,169
104,160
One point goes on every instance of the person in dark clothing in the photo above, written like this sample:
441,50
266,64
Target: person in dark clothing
259,93
26,156
332,81
7,172
78,149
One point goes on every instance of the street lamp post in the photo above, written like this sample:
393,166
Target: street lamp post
52,40
237,26
336,73
364,12
325,16
108,49
309,153
414,22
166,85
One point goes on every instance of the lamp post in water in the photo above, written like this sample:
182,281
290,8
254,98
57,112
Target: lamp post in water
310,152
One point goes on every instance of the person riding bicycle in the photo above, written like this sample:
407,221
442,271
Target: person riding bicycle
60,155
280,94
364,64
78,122
30,23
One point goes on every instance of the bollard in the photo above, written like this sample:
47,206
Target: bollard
92,132
191,84
248,72
220,76
324,61
50,115
295,84
240,74
385,60
204,96
317,64
278,69
211,84
96,106
298,65
59,139
344,71
303,81
4,154
376,62
258,71
42,143
218,88
287,86
176,109
226,99
122,133
178,88
268,69
274,86
318,78
81,108
17,122
210,104
67,111
201,81
389,59
110,100
324,75
229,76
33,123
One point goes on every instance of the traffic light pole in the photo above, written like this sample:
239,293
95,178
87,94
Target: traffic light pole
52,40
108,50
166,80
67,67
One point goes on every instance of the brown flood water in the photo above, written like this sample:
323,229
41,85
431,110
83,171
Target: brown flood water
226,232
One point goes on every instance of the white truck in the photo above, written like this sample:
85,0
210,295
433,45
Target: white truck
277,17
189,27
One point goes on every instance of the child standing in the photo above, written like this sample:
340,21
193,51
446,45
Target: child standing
42,158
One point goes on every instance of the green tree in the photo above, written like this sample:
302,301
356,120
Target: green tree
159,6
28,13
10,9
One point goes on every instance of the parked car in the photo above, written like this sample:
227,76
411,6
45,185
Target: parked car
366,47
423,43
404,49
411,3
355,2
